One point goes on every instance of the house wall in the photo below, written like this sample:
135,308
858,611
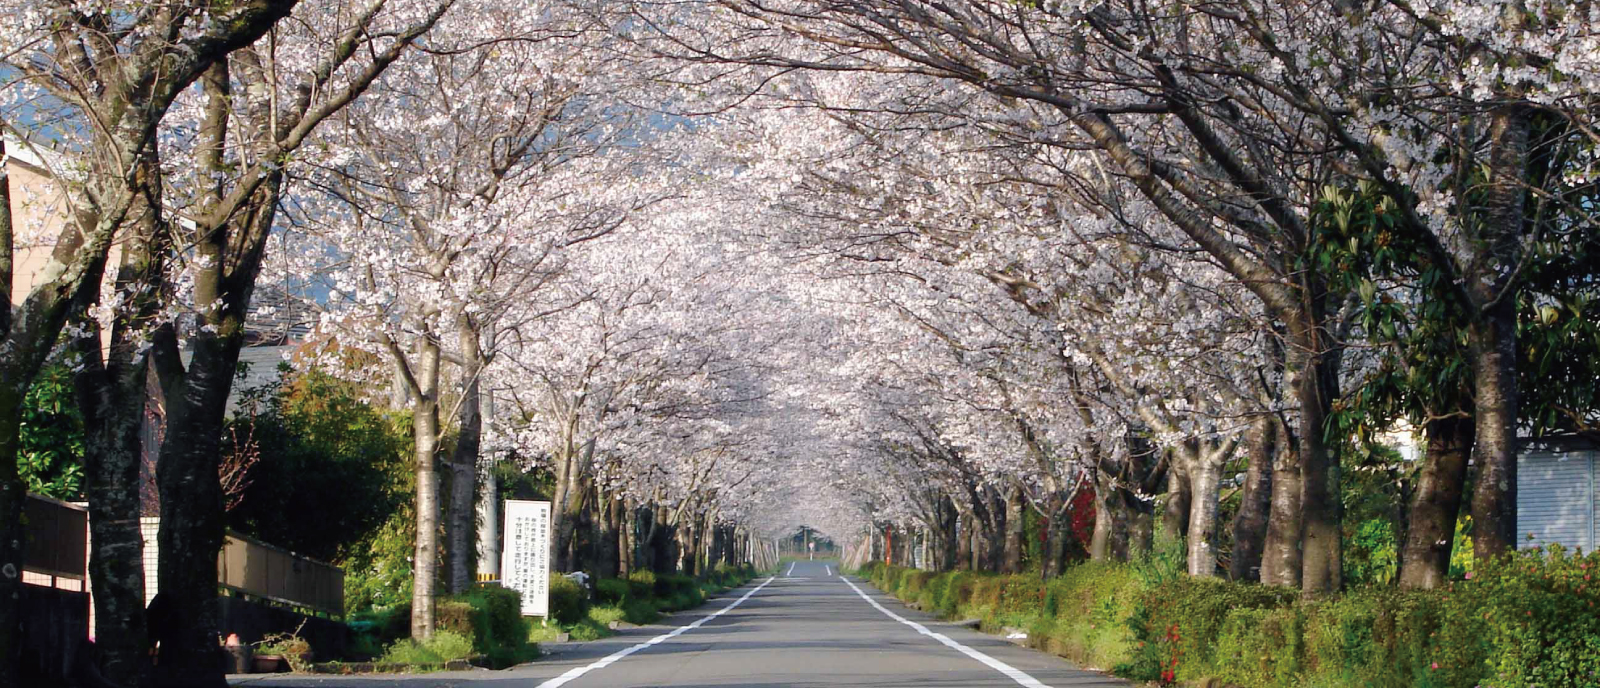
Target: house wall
1558,497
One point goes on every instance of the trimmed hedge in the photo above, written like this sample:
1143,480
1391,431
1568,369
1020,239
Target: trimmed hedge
1528,619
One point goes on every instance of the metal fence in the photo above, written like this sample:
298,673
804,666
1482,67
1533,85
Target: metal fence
255,569
260,570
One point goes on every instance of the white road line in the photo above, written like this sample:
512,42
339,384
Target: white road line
791,568
828,569
1011,672
573,674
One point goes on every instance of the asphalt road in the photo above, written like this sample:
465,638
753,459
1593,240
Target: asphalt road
805,627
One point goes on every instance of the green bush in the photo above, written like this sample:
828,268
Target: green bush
498,629
444,646
640,611
611,591
568,602
641,584
1539,613
1183,618
674,584
606,615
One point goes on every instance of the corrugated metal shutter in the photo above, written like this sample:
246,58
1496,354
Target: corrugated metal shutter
1556,499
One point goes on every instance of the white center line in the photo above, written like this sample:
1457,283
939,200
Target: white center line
1011,672
791,568
828,569
573,674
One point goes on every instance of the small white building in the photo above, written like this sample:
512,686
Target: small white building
1558,493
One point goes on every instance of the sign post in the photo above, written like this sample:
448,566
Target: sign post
525,563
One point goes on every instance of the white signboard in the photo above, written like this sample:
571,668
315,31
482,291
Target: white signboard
525,563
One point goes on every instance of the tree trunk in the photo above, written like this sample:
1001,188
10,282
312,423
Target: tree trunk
609,555
461,524
1205,486
489,526
1112,520
425,455
1059,529
1492,337
662,542
112,409
963,537
568,503
627,543
13,495
1281,555
191,530
687,551
945,537
1012,556
1494,496
1255,502
1321,530
1175,511
1425,558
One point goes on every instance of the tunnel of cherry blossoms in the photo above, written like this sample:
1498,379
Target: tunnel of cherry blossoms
1297,295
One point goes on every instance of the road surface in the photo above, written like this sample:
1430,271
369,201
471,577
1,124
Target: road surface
804,627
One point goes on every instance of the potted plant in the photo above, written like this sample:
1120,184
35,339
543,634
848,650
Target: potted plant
276,649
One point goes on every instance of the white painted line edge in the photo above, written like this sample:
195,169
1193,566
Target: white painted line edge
1010,672
574,673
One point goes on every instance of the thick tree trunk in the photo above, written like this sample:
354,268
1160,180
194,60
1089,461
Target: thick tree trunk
568,503
113,412
991,533
191,530
663,540
1255,502
627,544
489,526
460,521
687,550
964,528
1322,530
1113,520
610,553
1175,510
13,495
1281,555
1425,557
945,547
1059,533
1011,563
1494,496
425,557
1205,486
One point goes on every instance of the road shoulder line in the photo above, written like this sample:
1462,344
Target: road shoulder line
1011,672
575,672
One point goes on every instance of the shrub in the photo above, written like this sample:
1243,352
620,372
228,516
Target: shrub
444,646
1183,618
498,629
640,611
673,584
606,615
449,645
610,591
568,602
454,615
641,584
1539,612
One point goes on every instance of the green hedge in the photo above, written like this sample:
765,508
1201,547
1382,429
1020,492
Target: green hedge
1524,620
